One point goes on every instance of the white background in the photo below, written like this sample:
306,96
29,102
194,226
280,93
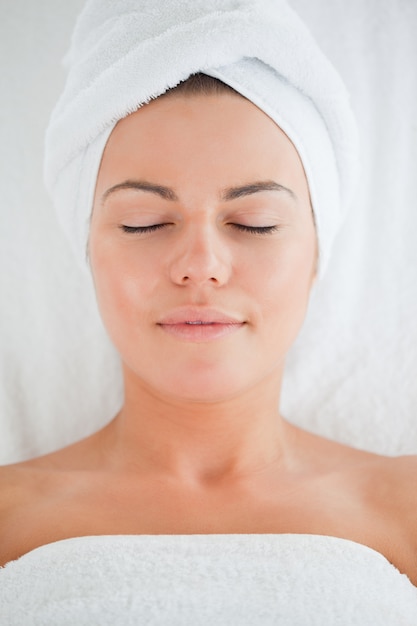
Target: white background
352,374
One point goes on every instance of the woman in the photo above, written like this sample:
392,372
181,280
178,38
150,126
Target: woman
204,241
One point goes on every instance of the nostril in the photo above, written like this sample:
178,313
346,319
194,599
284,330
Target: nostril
187,279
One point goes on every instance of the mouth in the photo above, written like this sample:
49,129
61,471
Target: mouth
200,325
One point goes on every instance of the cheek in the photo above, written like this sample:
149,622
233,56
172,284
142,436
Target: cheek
283,284
123,283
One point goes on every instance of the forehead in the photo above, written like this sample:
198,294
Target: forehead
202,139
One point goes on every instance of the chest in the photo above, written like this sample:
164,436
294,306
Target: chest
153,508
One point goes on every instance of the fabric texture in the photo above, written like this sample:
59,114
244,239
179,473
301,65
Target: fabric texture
125,53
262,580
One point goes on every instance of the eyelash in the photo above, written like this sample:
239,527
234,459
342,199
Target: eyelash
142,229
257,230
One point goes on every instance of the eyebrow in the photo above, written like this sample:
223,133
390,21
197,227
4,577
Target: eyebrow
229,193
142,185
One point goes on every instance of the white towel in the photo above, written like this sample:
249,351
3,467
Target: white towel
127,52
205,580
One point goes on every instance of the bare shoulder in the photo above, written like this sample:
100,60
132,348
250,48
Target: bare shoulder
22,487
12,482
397,474
389,484
17,481
392,492
14,488
23,483
397,484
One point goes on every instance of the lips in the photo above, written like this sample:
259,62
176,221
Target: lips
199,315
199,324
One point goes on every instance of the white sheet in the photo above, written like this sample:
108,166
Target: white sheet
351,375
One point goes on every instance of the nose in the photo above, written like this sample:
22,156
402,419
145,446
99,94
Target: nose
200,256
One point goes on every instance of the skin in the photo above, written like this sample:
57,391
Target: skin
199,445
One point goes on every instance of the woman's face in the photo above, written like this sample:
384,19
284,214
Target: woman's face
202,245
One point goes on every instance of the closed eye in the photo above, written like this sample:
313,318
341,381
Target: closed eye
259,230
142,229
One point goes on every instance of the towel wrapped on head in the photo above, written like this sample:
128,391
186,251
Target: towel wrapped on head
126,53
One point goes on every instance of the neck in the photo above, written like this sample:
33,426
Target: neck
198,443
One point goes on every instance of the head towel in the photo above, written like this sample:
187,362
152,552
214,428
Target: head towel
124,53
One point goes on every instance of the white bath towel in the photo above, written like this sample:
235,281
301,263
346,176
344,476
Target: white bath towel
205,580
125,53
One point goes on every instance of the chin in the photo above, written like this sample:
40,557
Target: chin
198,384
